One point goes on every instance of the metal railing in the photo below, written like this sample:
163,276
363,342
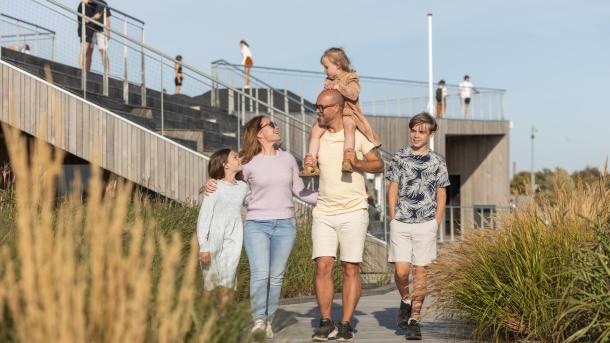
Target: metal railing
138,78
457,219
21,35
379,96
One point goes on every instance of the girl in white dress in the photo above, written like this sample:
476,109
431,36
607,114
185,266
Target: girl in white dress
219,228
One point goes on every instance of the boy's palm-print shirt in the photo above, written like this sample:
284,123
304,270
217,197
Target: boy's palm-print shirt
418,177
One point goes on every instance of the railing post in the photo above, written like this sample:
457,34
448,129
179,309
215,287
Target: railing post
243,106
270,102
231,101
398,106
490,107
143,71
303,129
105,60
250,99
83,53
502,106
18,34
213,94
386,105
238,132
53,48
162,99
287,111
125,66
256,104
451,226
36,50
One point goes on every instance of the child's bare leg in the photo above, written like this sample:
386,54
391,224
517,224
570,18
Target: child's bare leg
314,140
225,296
313,148
349,131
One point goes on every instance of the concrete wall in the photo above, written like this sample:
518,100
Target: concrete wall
482,161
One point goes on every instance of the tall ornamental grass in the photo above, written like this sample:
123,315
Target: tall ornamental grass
76,271
542,275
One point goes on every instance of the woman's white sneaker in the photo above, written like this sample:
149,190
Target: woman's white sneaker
259,328
269,330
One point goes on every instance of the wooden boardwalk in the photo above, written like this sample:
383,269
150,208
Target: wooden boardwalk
374,321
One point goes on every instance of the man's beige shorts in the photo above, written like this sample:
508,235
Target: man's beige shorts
413,243
346,230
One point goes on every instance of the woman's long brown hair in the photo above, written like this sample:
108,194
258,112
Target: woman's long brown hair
251,146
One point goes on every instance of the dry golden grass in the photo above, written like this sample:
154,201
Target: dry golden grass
83,271
510,282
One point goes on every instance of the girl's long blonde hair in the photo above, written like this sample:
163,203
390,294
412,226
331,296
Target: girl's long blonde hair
251,146
339,57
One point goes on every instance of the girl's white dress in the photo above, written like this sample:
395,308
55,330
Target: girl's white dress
220,232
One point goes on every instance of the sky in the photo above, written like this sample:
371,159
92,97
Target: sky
553,58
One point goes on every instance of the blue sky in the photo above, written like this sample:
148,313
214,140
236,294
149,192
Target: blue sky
552,57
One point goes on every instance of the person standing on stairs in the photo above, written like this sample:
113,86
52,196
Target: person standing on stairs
246,61
179,76
102,35
99,12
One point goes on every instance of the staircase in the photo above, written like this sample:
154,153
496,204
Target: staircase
190,121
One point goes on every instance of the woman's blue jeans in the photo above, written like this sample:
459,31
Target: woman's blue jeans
268,245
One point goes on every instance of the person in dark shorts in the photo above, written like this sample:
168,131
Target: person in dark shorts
179,76
466,89
98,11
441,99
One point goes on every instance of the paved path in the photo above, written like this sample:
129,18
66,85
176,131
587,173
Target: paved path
374,321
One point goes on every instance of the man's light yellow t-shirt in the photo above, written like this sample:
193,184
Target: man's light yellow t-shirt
340,192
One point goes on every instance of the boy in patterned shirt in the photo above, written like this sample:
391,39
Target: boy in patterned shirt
416,201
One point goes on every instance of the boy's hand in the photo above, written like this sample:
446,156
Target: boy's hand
204,257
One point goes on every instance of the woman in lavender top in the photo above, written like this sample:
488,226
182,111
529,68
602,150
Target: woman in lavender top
269,230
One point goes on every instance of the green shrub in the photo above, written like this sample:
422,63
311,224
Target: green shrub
509,282
585,307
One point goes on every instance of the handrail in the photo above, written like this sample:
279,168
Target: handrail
223,62
362,77
120,12
236,66
26,22
105,110
165,56
184,65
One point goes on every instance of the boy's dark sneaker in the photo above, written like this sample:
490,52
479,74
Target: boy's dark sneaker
346,333
404,313
413,331
326,330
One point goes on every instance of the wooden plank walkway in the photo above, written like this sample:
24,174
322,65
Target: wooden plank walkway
374,321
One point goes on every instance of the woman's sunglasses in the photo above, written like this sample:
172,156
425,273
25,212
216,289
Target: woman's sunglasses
270,123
